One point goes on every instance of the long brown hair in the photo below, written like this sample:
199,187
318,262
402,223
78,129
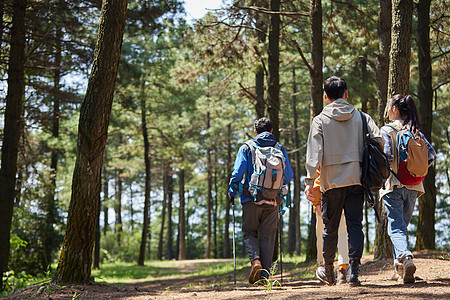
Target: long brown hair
408,110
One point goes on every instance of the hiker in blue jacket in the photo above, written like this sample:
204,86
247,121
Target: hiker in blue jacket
261,215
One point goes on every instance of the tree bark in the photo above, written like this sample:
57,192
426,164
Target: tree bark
12,128
274,68
146,221
316,58
75,261
427,203
227,247
382,59
316,97
273,89
209,196
294,233
105,199
169,248
118,207
400,53
182,254
215,206
398,83
366,227
163,213
311,249
50,205
261,25
382,245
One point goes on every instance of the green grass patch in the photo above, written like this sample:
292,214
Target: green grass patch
121,272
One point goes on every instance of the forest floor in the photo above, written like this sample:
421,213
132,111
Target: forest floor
432,282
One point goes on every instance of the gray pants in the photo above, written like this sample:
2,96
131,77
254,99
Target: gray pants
262,218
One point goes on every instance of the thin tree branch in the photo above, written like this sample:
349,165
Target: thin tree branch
353,7
441,84
292,41
248,93
269,12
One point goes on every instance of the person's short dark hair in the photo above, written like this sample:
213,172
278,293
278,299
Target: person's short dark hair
262,125
335,87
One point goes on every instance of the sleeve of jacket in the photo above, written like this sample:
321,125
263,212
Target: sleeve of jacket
374,131
314,150
239,169
431,152
288,173
387,144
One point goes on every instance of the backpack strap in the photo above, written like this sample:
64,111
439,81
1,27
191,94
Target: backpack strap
252,145
366,138
393,126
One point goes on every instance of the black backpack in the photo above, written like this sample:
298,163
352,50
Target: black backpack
375,166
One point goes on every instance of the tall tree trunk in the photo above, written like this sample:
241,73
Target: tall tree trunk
96,263
51,207
398,83
163,212
427,203
316,58
274,68
227,248
215,206
400,53
146,221
273,89
118,207
209,195
297,170
169,248
105,198
316,97
294,233
311,250
75,261
261,26
182,218
2,11
131,207
11,132
382,59
382,245
366,227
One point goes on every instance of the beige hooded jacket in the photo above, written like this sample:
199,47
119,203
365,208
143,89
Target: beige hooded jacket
335,143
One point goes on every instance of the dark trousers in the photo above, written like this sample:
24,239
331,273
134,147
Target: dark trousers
351,199
263,219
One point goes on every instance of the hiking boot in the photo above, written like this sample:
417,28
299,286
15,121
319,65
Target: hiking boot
326,274
408,270
354,272
398,273
254,273
341,275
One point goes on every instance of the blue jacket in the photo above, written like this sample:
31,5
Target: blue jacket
243,164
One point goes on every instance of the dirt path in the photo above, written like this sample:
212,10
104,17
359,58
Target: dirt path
432,282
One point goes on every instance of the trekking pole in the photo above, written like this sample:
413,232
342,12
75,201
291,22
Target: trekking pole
234,242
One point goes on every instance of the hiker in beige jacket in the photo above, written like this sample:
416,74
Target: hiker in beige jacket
335,143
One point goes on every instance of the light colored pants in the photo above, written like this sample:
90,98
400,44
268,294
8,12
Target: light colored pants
342,246
399,208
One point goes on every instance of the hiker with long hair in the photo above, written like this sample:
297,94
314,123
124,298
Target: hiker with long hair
403,139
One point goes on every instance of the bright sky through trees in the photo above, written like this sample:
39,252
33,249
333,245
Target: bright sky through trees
195,9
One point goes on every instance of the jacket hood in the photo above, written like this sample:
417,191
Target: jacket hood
265,139
339,110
